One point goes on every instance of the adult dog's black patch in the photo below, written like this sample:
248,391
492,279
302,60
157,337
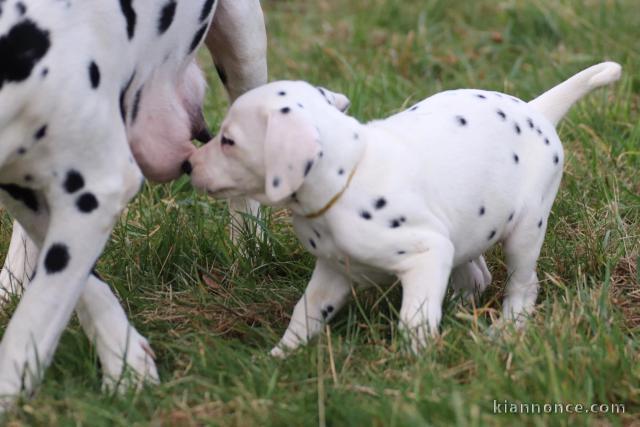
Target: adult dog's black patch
22,194
167,14
129,16
73,182
57,258
21,49
87,202
206,9
197,38
94,75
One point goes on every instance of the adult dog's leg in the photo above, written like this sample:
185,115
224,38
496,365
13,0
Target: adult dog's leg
99,311
241,61
118,343
19,263
81,217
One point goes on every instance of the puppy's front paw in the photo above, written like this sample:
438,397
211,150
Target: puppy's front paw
278,352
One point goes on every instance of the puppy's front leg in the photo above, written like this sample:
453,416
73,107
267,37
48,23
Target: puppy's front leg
326,293
424,283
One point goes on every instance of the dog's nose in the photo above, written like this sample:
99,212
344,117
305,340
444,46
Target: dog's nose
187,167
203,135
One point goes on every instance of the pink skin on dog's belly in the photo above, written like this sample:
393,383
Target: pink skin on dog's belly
161,163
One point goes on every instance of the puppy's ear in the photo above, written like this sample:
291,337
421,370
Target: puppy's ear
338,100
291,146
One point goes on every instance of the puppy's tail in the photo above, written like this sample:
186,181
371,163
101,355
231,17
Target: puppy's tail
555,102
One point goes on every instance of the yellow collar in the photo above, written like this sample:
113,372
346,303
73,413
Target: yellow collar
334,199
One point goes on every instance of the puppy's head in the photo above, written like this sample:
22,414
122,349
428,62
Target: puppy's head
267,142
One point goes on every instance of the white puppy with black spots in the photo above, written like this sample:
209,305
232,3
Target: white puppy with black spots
93,93
415,196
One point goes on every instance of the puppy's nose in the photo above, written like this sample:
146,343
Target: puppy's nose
203,135
187,167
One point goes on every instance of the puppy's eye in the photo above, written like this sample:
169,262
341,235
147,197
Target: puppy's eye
227,141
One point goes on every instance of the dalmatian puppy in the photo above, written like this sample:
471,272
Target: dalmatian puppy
92,96
414,196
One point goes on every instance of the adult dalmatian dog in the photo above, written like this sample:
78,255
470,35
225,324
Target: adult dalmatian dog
94,94
418,196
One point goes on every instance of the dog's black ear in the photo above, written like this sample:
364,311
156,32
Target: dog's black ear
291,146
338,100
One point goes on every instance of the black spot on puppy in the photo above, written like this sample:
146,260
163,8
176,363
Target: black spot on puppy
516,158
21,49
282,93
502,115
22,151
461,120
340,171
530,123
395,223
482,210
87,202
22,194
276,181
330,309
414,108
481,96
129,16
308,167
324,313
380,203
206,9
285,110
57,258
511,216
556,159
517,128
546,141
21,8
316,233
365,214
73,182
492,234
166,16
540,224
400,252
197,38
94,75
312,243
40,133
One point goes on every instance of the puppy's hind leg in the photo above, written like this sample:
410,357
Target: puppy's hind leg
470,279
522,249
424,284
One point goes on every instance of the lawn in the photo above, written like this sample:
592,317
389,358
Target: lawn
212,310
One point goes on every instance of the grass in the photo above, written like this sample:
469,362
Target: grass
212,311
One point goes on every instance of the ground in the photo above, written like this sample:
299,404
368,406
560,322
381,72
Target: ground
212,311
